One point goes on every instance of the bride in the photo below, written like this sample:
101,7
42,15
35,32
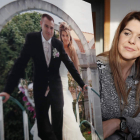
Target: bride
71,130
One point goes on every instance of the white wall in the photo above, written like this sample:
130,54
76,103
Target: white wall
78,10
118,10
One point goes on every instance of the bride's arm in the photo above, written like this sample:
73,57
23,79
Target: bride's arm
70,65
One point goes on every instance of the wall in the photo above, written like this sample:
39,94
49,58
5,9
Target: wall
118,9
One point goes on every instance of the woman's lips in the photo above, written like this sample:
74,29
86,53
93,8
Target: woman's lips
129,49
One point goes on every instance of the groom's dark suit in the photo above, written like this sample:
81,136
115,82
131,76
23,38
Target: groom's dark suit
44,76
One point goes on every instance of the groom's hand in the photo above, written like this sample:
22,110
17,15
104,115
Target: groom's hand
85,87
5,95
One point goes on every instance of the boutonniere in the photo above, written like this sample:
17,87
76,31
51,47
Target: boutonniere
55,53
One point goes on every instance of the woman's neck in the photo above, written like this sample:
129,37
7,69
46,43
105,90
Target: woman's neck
65,46
126,68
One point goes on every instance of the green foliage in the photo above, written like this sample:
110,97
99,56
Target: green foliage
85,128
12,38
13,121
87,136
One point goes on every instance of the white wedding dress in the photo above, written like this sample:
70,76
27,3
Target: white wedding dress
71,129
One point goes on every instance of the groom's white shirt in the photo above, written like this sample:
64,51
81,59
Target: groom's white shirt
46,44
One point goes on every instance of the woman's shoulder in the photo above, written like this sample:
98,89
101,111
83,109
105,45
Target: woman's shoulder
103,65
102,59
102,62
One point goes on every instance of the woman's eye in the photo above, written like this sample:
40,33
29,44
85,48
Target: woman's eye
126,33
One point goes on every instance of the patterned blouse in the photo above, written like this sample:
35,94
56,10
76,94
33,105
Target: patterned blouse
111,106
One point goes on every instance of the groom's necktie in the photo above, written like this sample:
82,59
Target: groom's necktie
47,52
47,55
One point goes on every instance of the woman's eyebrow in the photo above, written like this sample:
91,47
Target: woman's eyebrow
127,29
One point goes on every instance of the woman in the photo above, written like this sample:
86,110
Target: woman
66,38
119,75
71,130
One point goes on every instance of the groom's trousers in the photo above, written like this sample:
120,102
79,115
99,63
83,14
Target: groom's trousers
47,130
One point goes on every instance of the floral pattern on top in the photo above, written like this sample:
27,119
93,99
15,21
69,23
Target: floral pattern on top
111,105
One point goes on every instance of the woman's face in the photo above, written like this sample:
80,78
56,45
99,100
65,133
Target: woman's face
129,41
65,38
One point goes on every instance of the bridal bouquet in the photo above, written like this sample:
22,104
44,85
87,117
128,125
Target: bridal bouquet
26,88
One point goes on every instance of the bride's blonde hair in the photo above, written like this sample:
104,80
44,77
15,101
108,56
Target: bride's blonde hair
64,27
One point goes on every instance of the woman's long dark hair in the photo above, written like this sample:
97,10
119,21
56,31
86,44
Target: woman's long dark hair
114,61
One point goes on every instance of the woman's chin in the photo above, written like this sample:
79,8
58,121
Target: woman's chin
65,44
129,58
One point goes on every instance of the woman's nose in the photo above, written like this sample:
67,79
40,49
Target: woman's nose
132,40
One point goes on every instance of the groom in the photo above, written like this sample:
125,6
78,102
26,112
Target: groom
47,54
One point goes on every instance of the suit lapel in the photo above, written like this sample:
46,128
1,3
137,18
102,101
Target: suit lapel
52,46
